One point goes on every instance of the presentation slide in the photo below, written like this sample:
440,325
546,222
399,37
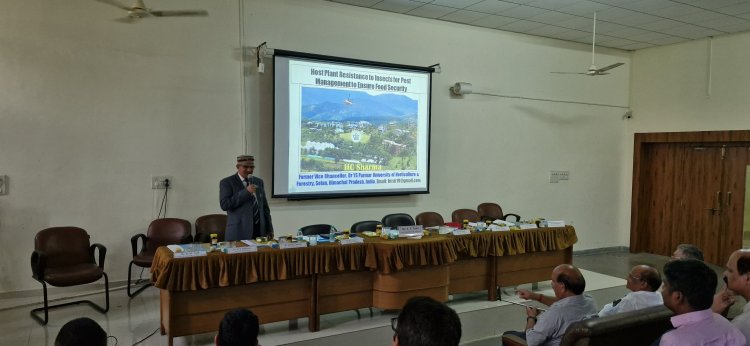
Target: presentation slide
347,127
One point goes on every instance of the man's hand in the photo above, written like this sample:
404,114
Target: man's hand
526,294
722,301
532,311
251,188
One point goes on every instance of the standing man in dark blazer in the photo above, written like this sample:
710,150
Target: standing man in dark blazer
243,197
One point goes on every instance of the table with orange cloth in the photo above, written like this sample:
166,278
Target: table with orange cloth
287,284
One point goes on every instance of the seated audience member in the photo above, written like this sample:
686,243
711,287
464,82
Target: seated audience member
426,322
569,305
643,281
81,331
688,291
687,251
238,328
737,277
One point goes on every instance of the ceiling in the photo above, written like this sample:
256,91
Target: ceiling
622,24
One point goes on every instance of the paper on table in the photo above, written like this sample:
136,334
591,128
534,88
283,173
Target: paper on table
503,223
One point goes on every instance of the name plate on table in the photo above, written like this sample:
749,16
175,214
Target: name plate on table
460,231
293,245
409,231
559,223
354,240
242,249
527,226
185,252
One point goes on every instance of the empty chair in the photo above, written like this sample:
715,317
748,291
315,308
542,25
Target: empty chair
63,256
207,224
322,228
365,226
399,219
161,232
459,215
493,211
430,219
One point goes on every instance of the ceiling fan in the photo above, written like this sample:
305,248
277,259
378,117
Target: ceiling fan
593,70
139,10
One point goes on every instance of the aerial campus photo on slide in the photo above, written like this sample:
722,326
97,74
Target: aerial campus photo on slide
344,130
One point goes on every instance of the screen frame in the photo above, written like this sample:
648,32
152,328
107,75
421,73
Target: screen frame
355,62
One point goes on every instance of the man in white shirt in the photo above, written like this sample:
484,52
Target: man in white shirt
644,282
737,277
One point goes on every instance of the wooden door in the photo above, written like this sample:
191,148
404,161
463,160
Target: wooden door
696,195
679,196
736,161
689,188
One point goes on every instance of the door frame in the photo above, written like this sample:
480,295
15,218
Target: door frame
643,140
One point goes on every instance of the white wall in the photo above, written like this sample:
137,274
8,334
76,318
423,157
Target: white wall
672,92
91,108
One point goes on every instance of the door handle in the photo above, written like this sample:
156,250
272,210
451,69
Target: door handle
718,204
718,201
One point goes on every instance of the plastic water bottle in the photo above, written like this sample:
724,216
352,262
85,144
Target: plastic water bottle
332,234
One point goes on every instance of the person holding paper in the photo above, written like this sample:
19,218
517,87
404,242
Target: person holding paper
569,305
643,281
243,197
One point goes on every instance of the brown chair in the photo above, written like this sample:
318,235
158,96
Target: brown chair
207,224
321,228
493,211
430,219
161,232
365,226
398,219
639,327
62,257
459,215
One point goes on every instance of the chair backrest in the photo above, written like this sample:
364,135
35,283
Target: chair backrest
491,211
639,327
322,228
364,226
64,246
398,219
212,223
459,215
163,232
430,219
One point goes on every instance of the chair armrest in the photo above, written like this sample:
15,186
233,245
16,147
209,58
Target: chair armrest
134,242
38,263
518,218
102,253
513,340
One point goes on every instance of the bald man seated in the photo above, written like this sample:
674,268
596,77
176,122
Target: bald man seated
643,281
569,305
737,278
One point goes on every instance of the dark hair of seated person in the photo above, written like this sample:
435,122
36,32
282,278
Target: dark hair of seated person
694,279
426,322
238,328
81,331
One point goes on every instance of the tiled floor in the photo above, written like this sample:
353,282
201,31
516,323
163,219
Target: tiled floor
132,320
